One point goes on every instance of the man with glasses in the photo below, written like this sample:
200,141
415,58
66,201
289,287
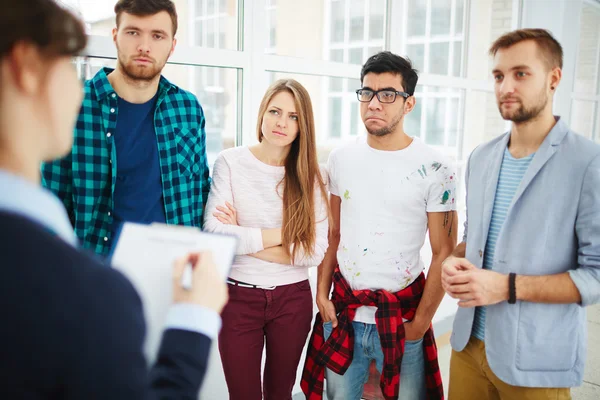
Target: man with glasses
386,193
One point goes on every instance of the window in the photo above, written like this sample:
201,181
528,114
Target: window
582,117
494,17
585,103
436,118
434,35
213,23
271,13
194,16
356,30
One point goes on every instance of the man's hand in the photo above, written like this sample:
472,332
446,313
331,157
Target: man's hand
208,288
227,214
327,310
414,330
471,285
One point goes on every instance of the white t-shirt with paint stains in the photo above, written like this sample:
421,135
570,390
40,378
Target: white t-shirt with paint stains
386,196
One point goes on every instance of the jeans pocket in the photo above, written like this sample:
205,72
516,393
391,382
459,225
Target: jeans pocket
327,328
413,346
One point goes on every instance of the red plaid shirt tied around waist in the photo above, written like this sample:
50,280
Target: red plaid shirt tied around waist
335,353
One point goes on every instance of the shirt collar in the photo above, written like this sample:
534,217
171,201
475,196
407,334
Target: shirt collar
22,197
101,85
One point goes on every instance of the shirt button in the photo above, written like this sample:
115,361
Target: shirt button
114,95
108,134
110,161
105,239
109,213
112,110
480,253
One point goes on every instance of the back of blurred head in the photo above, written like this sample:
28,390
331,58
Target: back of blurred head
40,94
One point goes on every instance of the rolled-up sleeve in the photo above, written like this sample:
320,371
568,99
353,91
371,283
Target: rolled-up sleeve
587,226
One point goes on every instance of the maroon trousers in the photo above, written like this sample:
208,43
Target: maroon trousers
281,318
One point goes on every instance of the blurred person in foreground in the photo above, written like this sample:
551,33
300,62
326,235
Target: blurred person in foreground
72,328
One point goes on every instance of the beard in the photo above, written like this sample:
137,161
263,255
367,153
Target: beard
138,73
523,113
386,130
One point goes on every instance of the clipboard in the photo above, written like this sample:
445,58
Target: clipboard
145,255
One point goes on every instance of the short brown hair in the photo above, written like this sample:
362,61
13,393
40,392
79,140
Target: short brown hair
549,47
142,8
55,30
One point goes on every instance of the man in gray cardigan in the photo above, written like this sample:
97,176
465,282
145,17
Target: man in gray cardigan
529,262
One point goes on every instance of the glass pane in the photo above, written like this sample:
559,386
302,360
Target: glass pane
588,70
416,17
482,121
439,53
199,32
372,51
210,33
193,15
440,17
377,9
597,135
416,53
314,29
412,122
355,56
336,85
436,121
353,85
336,55
357,28
454,114
376,25
338,18
357,20
582,117
494,18
354,119
271,30
460,18
272,36
215,88
456,69
335,111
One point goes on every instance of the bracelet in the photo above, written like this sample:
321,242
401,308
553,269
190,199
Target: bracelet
512,288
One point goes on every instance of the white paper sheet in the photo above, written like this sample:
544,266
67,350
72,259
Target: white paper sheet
145,254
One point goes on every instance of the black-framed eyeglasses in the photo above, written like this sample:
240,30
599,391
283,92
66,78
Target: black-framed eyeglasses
384,96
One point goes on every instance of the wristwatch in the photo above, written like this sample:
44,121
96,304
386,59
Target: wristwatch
512,288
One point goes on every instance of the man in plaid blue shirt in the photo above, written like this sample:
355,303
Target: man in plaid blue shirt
139,151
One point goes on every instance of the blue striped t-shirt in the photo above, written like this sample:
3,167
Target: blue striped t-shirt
511,174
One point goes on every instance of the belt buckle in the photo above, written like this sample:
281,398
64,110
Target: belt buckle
246,285
265,287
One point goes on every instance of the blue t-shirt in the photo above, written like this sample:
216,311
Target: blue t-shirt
138,195
511,175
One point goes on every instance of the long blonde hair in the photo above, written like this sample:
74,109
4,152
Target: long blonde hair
302,174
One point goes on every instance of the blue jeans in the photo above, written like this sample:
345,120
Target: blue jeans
367,348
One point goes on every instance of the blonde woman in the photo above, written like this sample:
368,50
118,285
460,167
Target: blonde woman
273,197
